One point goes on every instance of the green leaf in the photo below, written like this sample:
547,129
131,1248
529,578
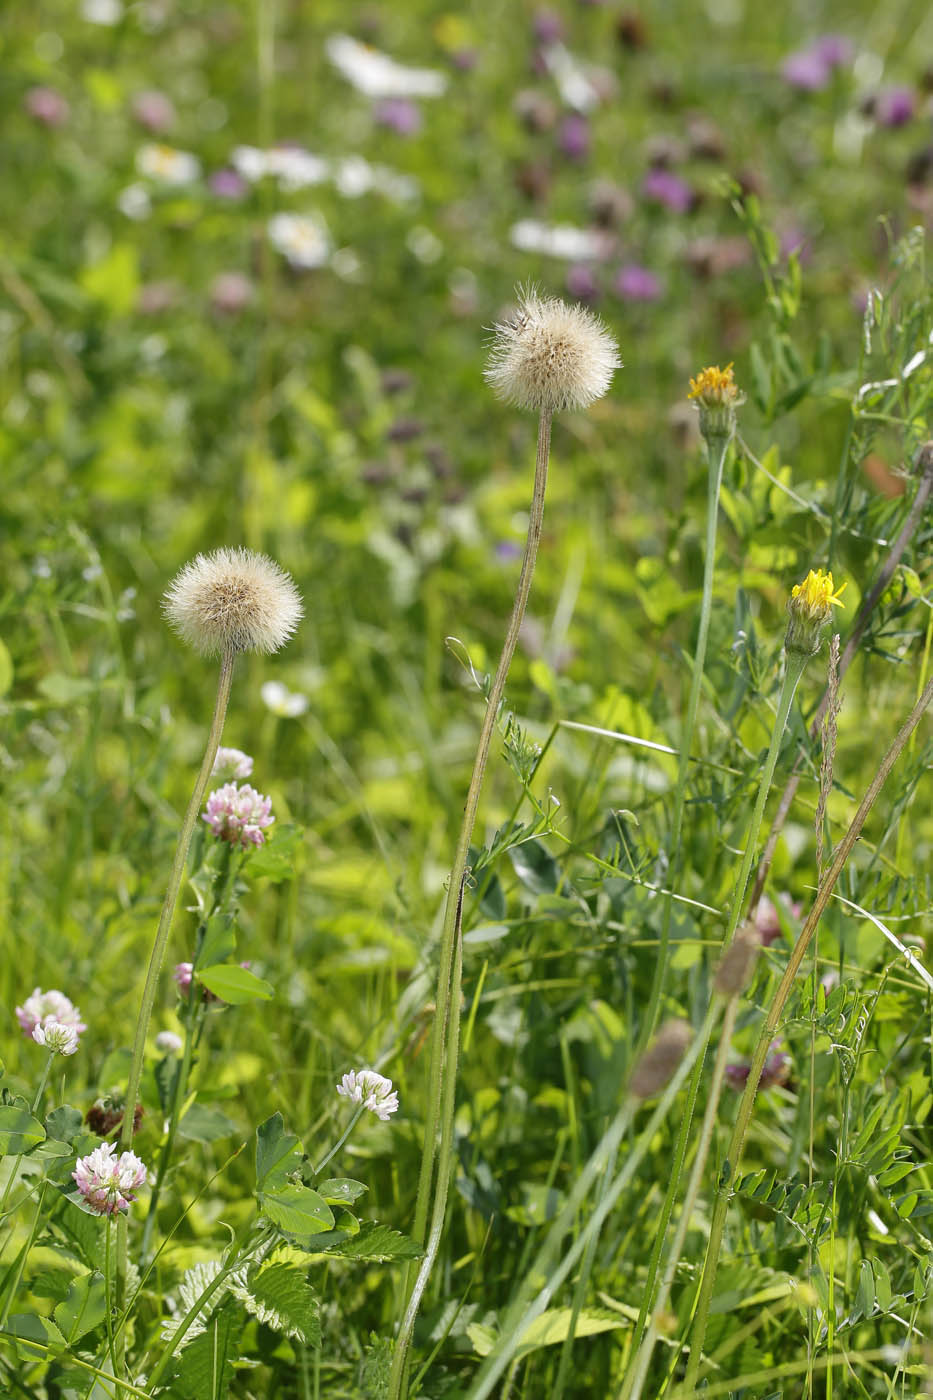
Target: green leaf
204,1370
219,942
166,1075
83,1308
277,1153
234,984
535,867
202,1123
486,933
378,1242
19,1131
297,1210
114,280
6,669
865,1293
35,1329
287,1302
65,690
63,1124
277,859
342,1191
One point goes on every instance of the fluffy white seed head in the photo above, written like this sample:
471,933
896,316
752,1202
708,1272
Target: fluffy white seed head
233,600
549,356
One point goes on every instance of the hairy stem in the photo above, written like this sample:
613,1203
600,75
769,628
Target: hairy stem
775,1010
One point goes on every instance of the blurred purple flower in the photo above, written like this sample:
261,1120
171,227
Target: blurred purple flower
894,107
664,187
836,50
153,110
548,27
47,106
767,922
227,184
574,138
507,550
636,283
807,70
155,297
464,59
581,283
776,1070
399,114
231,292
795,240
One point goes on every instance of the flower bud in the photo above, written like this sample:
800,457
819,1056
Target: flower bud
737,962
660,1060
810,607
717,397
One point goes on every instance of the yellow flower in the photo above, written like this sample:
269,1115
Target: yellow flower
810,607
816,592
717,396
714,386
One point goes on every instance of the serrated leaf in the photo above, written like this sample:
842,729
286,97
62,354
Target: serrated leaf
277,1153
341,1191
379,1243
297,1210
235,985
287,1302
204,1370
19,1131
36,1329
83,1308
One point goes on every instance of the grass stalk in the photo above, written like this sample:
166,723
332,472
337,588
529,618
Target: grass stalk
775,1010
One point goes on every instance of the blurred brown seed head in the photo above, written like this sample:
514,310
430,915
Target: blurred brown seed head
660,1060
737,962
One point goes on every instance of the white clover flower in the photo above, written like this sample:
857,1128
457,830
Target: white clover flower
377,75
231,764
370,1089
550,356
109,1183
168,1043
233,600
285,703
167,165
57,1037
302,239
42,1006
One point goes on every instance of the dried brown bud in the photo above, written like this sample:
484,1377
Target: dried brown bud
923,461
660,1060
737,962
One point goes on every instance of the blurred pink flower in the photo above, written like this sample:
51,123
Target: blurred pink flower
48,1006
182,974
581,283
153,110
231,292
548,27
399,114
776,1070
806,70
109,1183
227,184
239,815
574,136
894,107
47,106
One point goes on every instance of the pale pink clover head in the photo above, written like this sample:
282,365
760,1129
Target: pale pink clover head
183,973
109,1183
58,1038
371,1090
168,1043
43,1006
232,763
239,815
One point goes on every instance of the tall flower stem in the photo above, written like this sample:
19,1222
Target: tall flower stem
716,448
775,1010
192,1034
340,1141
795,663
176,876
869,602
445,1042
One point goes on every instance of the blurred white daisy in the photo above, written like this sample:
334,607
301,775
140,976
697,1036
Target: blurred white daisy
288,704
294,168
134,202
166,164
106,12
301,238
560,240
574,86
250,162
377,75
